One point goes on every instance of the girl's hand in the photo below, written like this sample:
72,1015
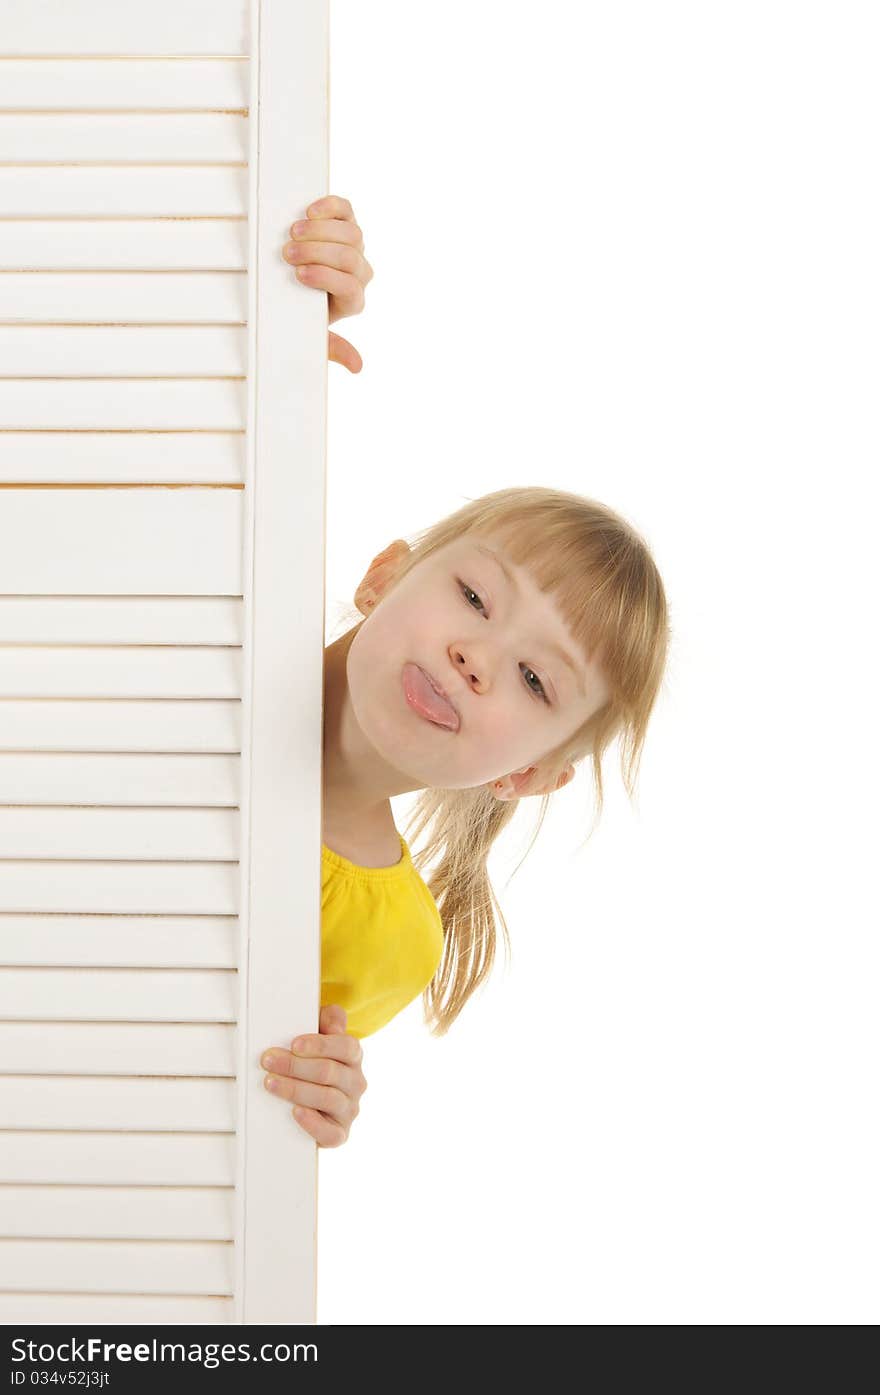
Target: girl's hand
323,1078
327,248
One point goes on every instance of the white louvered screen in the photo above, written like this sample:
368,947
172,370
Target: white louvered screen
162,442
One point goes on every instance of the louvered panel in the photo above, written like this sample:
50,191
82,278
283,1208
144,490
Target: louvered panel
111,298
105,26
136,1103
69,1309
199,85
165,1033
122,244
122,888
110,995
117,1213
123,670
46,138
49,778
110,541
117,1266
57,725
82,404
155,834
129,457
116,1048
187,942
142,966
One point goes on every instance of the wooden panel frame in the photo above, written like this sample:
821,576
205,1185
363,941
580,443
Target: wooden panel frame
283,570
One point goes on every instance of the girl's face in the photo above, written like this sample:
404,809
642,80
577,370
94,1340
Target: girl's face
495,643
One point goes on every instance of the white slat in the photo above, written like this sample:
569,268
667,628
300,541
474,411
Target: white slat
123,244
117,1213
121,620
49,778
128,725
119,1159
114,995
83,404
127,1102
123,888
116,84
155,834
106,26
123,191
117,1266
123,351
113,1308
157,670
77,137
111,541
130,457
120,298
116,1048
180,942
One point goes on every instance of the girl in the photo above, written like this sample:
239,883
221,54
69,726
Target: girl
519,635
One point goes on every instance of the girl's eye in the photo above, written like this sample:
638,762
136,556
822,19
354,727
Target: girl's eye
467,592
540,694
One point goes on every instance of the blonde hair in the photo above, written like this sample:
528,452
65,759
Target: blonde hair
609,592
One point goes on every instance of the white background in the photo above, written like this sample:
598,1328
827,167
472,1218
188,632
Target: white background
630,250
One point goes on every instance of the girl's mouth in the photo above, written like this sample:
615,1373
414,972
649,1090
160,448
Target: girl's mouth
425,696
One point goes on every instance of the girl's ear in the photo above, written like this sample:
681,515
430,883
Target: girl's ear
523,783
381,570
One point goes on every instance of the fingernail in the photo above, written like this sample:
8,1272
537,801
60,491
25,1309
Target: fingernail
299,229
299,1044
269,1062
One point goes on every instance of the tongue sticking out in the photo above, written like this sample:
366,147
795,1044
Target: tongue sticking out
422,696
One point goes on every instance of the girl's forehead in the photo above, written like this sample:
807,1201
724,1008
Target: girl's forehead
488,544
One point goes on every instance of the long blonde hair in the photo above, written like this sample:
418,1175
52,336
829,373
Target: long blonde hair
609,592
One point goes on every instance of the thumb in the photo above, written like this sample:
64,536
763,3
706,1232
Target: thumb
332,1020
340,351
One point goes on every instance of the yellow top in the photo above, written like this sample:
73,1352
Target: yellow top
381,938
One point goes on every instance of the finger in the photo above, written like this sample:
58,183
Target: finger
336,1046
330,206
332,1074
340,351
332,1017
325,1132
329,254
347,291
327,230
324,1097
335,1074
